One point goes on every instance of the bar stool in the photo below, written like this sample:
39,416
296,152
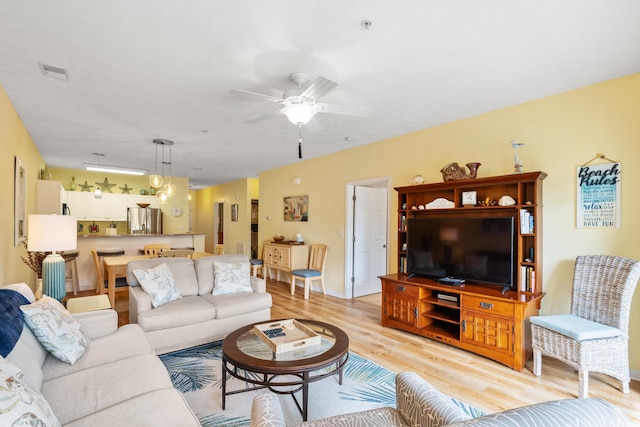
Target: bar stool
70,260
98,255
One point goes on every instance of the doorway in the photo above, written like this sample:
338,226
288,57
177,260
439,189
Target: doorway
367,231
218,223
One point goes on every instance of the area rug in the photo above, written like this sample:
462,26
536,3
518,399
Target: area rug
196,372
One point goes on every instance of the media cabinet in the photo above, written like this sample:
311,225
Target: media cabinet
480,318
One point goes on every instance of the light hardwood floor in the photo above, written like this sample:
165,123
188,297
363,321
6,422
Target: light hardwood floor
474,379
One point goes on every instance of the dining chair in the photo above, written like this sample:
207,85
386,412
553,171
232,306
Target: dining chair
155,248
219,249
101,281
257,264
595,335
175,253
315,271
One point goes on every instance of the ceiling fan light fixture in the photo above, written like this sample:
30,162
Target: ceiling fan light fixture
299,113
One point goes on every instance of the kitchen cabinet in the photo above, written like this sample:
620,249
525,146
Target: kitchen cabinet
77,202
50,195
110,207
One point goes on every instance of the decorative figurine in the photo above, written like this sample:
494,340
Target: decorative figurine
453,171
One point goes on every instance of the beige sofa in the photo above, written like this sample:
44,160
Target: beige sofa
118,381
420,404
199,316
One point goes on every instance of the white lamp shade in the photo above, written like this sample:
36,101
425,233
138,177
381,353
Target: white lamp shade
52,233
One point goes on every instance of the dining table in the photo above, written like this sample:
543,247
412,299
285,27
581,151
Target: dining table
116,266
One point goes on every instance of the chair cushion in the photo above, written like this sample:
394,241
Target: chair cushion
254,261
158,282
56,329
305,272
576,327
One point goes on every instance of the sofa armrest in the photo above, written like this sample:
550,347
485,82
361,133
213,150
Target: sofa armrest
419,403
266,411
575,412
259,285
139,301
99,323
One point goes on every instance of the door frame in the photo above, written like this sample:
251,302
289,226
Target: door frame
382,182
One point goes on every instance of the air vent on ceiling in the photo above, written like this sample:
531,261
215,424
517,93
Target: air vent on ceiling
54,72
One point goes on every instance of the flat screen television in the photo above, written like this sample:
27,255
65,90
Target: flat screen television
476,249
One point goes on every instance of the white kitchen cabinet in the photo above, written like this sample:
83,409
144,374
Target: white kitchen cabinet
50,195
110,207
77,202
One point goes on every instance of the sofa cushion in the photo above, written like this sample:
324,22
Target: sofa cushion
56,329
165,407
182,269
231,277
204,269
159,283
11,319
21,404
186,311
231,305
82,393
127,341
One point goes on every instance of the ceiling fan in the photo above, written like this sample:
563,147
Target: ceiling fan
300,106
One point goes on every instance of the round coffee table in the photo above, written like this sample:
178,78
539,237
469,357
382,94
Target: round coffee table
244,355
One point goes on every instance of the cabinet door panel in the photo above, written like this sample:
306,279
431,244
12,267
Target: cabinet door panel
495,333
401,308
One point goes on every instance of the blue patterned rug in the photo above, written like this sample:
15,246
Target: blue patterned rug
197,371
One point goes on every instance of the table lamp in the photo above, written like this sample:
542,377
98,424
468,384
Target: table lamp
52,233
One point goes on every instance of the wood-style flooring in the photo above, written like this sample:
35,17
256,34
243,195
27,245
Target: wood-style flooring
474,379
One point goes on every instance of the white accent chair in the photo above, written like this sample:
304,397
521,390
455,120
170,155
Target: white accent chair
317,261
595,336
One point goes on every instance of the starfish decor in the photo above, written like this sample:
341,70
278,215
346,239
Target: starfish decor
86,186
105,186
125,189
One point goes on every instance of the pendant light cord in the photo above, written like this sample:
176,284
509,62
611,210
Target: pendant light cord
299,140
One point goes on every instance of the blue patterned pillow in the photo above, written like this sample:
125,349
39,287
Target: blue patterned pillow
231,277
56,329
159,283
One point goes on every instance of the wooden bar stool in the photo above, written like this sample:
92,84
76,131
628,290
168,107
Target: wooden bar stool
70,260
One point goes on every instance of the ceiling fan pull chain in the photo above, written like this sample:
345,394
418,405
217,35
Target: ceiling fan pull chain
299,141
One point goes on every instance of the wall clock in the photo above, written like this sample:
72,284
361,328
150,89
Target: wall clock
469,198
176,211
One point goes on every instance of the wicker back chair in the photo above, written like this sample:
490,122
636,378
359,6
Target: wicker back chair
595,336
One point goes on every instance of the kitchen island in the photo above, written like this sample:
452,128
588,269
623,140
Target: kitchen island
130,243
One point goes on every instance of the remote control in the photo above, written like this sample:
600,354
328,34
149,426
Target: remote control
450,281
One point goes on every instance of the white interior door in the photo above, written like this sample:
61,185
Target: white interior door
369,239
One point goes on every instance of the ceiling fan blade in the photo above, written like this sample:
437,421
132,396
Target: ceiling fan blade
262,117
318,88
259,95
313,126
350,110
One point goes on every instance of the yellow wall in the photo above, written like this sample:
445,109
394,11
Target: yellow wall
561,132
171,224
238,192
15,141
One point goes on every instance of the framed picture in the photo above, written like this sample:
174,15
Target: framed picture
296,208
234,212
20,202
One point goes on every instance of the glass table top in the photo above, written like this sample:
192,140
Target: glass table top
251,345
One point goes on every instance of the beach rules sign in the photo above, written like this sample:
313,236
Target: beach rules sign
598,204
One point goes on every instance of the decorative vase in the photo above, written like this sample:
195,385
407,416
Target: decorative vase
73,184
38,291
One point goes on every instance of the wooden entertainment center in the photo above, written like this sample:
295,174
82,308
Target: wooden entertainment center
485,319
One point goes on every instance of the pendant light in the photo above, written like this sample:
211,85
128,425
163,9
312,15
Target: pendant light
98,193
168,189
155,180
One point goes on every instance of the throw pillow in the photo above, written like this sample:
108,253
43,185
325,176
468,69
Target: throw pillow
231,277
21,405
56,329
159,283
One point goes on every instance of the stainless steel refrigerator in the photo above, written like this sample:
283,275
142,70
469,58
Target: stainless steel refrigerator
144,221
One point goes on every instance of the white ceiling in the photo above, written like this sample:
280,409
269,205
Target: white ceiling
146,69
